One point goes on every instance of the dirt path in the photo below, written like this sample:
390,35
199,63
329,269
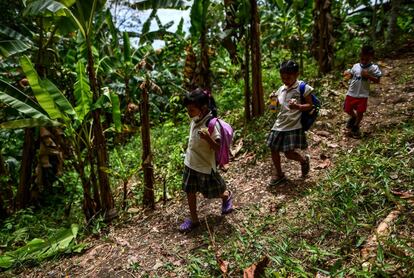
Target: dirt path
151,245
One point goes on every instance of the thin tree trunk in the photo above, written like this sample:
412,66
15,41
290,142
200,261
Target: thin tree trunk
3,173
257,96
374,22
392,33
298,22
205,61
323,40
148,196
106,198
26,169
246,76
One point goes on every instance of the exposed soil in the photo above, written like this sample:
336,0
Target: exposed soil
148,242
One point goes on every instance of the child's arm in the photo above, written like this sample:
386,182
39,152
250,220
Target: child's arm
214,144
365,74
347,74
302,107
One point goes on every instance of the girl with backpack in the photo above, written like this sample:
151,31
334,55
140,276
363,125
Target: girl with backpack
200,173
287,133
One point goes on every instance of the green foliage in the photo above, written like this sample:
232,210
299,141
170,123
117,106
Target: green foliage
40,249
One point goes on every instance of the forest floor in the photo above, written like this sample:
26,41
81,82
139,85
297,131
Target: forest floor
149,244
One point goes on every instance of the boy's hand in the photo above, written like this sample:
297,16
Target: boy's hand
293,104
365,73
347,75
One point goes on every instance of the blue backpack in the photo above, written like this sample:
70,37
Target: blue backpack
308,117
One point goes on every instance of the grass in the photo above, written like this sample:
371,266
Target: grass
324,229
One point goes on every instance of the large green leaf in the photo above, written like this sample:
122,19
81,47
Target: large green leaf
127,48
83,92
60,100
44,98
112,29
11,47
31,122
40,249
12,34
45,8
116,112
20,101
198,16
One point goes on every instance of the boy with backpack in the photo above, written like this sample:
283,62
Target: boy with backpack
357,96
288,133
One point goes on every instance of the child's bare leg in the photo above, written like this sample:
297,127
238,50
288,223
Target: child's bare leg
225,195
276,163
359,116
192,203
293,155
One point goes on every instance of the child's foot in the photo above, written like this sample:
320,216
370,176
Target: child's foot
305,166
277,181
188,225
350,123
355,132
227,205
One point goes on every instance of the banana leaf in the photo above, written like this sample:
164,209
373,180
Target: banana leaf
27,123
21,102
83,92
44,97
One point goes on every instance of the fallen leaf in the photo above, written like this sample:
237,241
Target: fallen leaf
255,270
333,145
324,164
237,149
323,133
224,265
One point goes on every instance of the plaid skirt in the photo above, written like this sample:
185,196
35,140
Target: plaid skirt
211,186
284,141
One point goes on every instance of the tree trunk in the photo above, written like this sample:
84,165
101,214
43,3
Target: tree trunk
26,169
246,76
3,183
106,198
148,196
323,40
374,22
392,32
205,73
257,96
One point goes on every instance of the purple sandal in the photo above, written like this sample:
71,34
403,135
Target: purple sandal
188,225
227,205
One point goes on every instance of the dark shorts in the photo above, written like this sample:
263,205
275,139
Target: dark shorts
357,104
211,186
284,141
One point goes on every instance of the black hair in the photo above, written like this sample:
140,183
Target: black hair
289,66
200,98
367,50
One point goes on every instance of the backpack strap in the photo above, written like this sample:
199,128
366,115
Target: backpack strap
302,88
211,124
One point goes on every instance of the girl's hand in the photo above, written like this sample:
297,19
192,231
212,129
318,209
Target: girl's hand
204,134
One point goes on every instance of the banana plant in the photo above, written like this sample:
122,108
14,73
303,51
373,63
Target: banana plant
82,16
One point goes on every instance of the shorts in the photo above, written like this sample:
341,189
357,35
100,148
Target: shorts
357,104
210,185
284,141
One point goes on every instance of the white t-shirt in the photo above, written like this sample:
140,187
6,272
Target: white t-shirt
289,119
199,155
359,86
